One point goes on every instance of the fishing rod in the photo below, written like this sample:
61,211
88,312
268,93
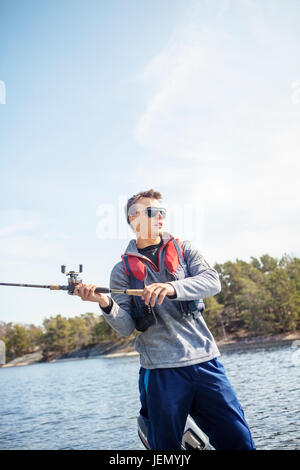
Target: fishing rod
73,281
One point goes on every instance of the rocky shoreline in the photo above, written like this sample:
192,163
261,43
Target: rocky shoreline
283,339
123,348
104,349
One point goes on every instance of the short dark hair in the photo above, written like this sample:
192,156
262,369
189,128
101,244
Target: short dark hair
150,193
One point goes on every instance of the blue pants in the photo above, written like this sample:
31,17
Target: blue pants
201,390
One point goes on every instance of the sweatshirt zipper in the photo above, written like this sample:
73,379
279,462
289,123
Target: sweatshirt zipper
151,309
179,301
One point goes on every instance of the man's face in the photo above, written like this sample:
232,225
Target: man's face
144,226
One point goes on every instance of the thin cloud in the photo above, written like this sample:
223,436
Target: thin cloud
224,125
27,234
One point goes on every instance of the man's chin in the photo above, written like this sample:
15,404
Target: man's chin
157,232
151,235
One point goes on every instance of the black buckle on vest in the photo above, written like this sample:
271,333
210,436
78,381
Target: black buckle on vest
145,318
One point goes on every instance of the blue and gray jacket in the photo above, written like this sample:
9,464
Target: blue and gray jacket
176,338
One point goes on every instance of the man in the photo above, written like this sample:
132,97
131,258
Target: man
180,373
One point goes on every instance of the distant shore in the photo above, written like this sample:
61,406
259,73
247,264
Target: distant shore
114,350
245,343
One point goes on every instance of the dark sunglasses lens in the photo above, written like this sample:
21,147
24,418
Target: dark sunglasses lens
153,211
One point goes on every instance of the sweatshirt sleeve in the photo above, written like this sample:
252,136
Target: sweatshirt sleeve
203,281
119,317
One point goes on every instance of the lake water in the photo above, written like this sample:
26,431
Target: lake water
94,403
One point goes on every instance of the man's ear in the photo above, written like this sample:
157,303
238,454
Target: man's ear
133,222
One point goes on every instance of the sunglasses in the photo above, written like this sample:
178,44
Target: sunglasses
153,211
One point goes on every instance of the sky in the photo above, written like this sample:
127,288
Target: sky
197,99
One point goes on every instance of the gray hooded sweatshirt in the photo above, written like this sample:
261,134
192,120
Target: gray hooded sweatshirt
175,340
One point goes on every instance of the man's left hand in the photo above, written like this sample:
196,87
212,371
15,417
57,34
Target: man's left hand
157,289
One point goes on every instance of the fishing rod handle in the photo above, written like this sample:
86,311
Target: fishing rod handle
102,290
105,290
134,291
99,290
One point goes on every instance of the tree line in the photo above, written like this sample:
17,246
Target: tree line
259,297
57,336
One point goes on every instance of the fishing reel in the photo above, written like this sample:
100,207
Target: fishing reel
73,279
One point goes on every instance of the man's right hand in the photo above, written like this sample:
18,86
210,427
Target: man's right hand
86,292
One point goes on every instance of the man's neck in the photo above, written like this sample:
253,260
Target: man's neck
144,242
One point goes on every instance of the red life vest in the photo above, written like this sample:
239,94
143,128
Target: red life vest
135,267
